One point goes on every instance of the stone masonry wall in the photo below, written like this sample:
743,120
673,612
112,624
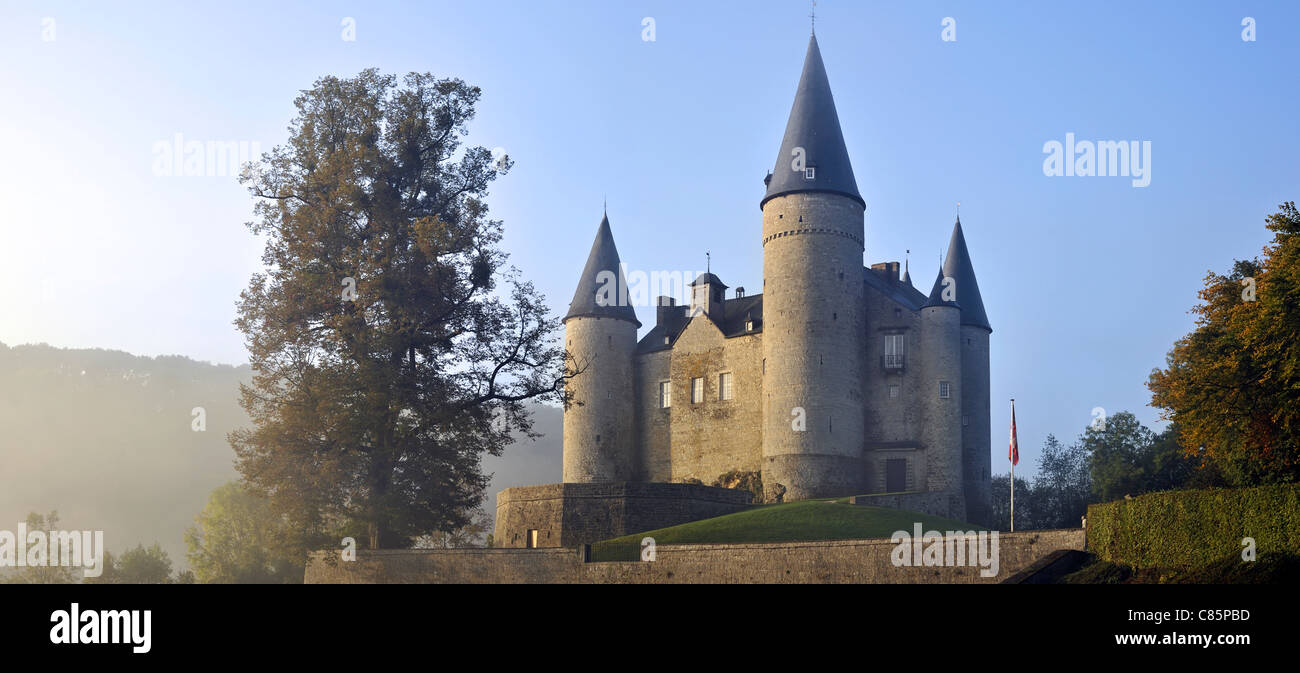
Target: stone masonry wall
842,561
653,424
715,436
566,515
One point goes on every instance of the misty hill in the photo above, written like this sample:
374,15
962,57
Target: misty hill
106,438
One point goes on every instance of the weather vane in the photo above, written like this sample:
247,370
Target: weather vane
813,15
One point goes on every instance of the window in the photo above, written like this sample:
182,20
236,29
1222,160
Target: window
893,391
668,340
531,540
893,351
749,325
665,394
697,390
945,390
965,420
724,386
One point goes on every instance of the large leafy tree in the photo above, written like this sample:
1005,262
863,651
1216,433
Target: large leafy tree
1233,384
392,347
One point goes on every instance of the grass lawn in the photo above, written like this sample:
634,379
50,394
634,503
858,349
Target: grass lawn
804,520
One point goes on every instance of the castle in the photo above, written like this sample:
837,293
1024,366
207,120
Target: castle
836,379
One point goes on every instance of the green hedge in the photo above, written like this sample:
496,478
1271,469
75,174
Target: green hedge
1195,528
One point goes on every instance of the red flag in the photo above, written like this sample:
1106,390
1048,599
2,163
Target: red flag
1013,451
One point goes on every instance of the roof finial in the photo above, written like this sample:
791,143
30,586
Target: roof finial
708,262
813,17
959,212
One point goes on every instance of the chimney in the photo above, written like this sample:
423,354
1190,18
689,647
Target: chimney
888,269
665,307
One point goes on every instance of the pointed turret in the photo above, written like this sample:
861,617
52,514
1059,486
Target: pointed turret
600,335
907,274
813,132
936,292
959,267
598,294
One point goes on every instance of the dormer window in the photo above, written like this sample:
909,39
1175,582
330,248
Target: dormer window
749,325
810,173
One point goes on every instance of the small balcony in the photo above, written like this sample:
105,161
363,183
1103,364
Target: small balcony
892,363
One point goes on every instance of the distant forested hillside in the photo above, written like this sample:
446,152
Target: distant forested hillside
106,438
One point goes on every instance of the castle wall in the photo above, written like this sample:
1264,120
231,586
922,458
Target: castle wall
565,515
715,436
653,424
813,428
892,424
840,561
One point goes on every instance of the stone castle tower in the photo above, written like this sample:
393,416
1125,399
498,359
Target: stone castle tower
837,379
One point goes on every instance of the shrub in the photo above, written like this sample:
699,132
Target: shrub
1184,529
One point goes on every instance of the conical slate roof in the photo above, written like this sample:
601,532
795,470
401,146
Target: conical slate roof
815,127
936,292
958,265
603,257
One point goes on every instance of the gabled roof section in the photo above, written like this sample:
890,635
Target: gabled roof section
589,299
735,313
958,265
903,294
813,126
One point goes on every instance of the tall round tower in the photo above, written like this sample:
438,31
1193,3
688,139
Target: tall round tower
975,331
813,306
941,391
600,332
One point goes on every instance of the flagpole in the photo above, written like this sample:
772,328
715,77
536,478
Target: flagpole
1013,469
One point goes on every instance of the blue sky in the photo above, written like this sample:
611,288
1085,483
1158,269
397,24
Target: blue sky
1087,280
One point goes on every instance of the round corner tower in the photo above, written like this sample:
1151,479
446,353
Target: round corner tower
941,393
600,333
813,303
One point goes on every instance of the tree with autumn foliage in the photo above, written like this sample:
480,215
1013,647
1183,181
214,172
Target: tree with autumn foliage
391,346
1233,384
